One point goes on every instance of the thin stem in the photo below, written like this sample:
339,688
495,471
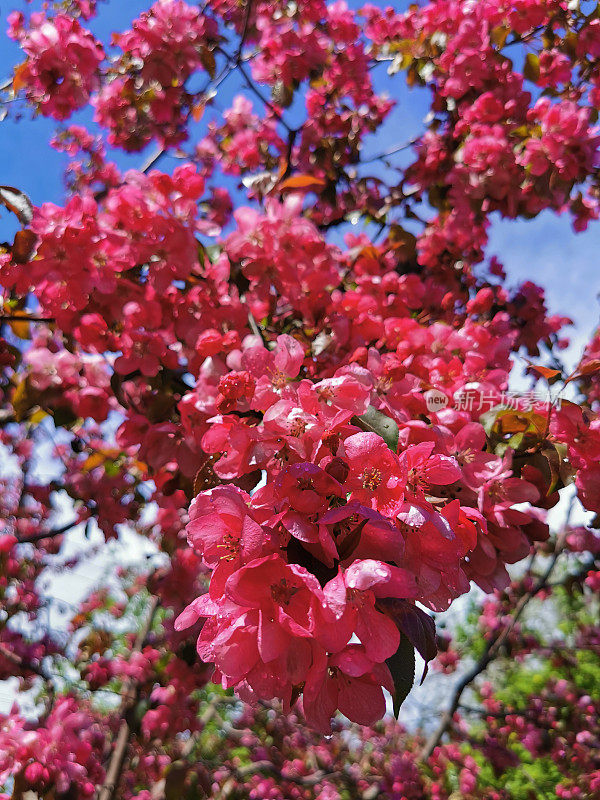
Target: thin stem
23,318
262,98
211,86
153,159
390,152
108,790
36,537
245,29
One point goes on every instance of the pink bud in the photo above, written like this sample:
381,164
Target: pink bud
7,542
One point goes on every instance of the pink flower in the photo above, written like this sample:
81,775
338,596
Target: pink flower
7,542
352,596
62,64
348,681
223,531
375,477
285,594
422,468
273,370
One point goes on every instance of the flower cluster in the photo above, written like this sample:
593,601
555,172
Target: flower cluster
146,96
62,66
302,370
64,754
345,532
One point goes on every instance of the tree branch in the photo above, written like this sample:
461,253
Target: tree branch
108,790
153,159
23,318
245,29
490,653
391,151
36,537
261,97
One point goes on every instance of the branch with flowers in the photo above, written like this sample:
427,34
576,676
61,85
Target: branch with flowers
233,357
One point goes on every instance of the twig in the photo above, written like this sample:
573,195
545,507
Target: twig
262,98
523,39
245,29
36,537
212,85
491,652
23,318
153,159
254,328
390,152
108,790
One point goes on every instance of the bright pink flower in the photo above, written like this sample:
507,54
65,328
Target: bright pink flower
352,595
223,531
273,370
421,468
361,532
62,64
348,681
7,542
375,477
285,594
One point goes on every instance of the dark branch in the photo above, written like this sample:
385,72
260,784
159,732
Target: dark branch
36,537
22,318
108,790
491,652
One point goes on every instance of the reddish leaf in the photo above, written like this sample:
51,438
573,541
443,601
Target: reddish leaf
402,242
415,624
19,80
369,251
205,478
402,668
207,58
509,422
198,111
554,464
586,369
23,246
306,182
20,328
545,372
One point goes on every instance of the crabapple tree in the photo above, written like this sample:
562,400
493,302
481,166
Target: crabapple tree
279,349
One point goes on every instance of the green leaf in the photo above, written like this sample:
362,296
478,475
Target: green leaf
402,667
531,69
112,468
499,35
374,421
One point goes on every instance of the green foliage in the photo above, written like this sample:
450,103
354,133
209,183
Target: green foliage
532,779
